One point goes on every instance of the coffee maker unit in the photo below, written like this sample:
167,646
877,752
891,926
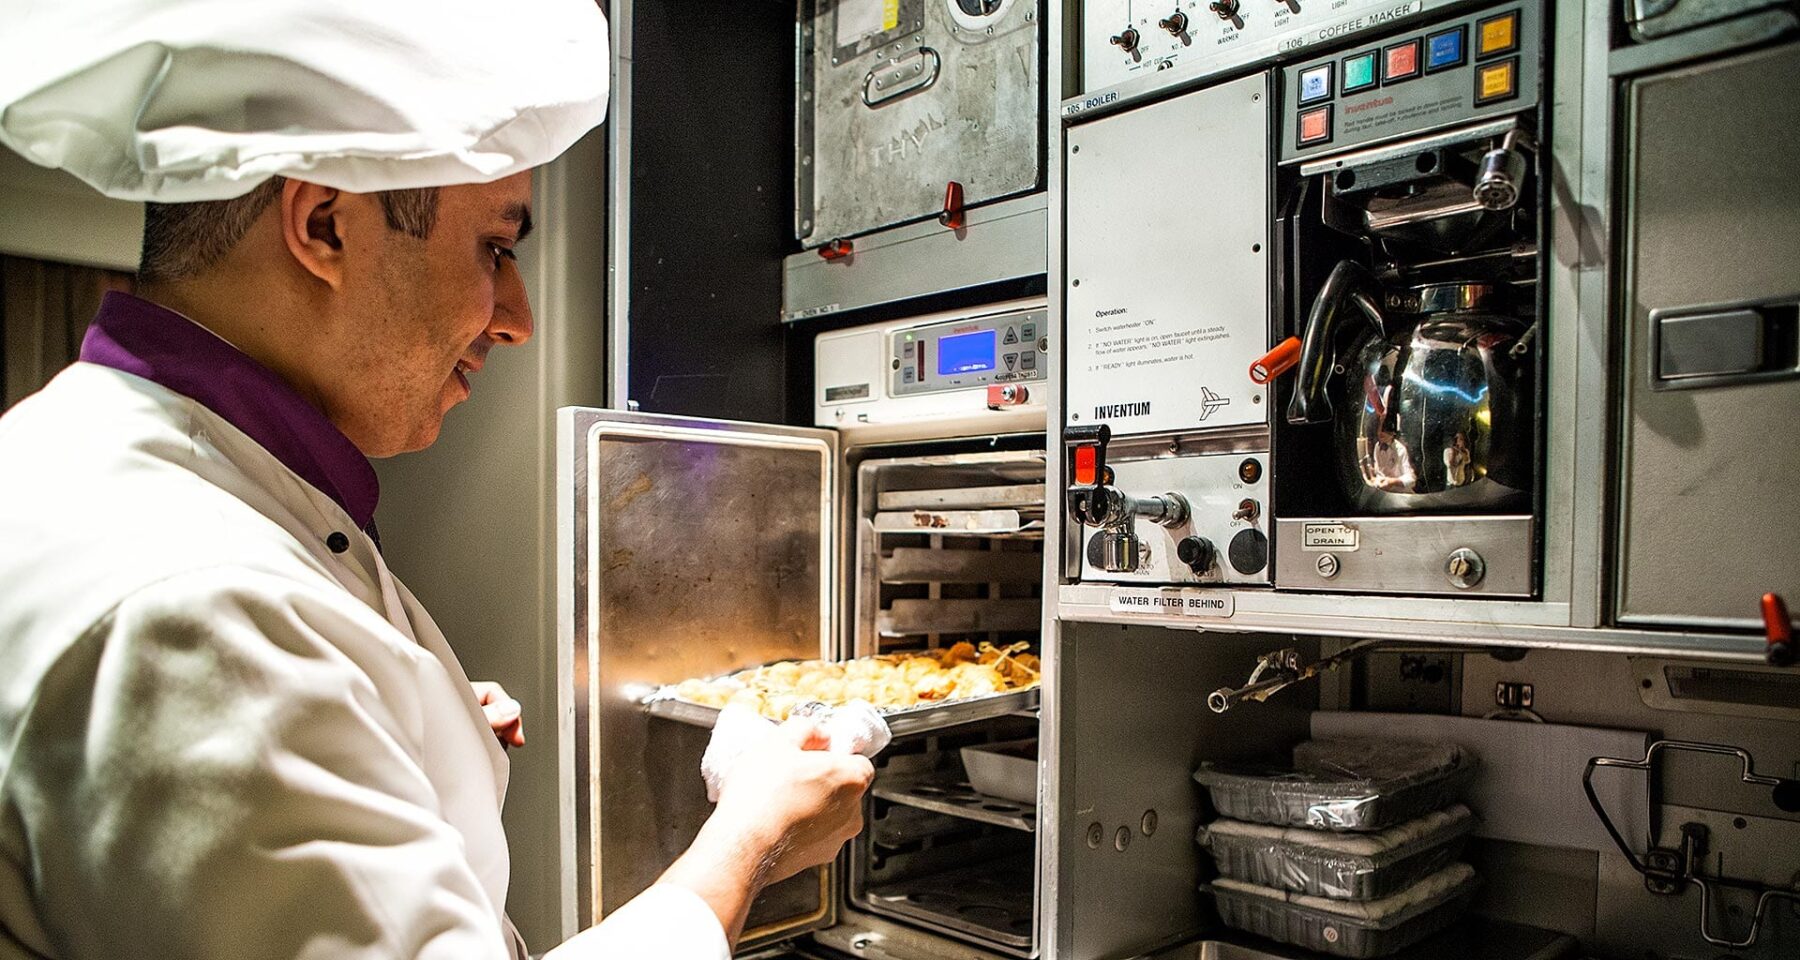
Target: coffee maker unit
1410,258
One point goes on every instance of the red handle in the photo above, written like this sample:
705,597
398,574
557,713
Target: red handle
835,250
1779,629
1276,362
952,216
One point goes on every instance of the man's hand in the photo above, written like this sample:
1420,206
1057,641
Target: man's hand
503,712
785,805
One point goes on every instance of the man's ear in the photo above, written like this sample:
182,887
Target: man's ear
311,226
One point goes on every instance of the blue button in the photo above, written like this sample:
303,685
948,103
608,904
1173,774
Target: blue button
1315,83
1445,50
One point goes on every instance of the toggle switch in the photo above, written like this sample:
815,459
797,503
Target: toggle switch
1176,23
1248,510
1127,40
1226,9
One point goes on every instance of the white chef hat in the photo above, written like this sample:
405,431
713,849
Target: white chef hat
184,100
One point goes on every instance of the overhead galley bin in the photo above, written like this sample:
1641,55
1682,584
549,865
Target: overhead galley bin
910,109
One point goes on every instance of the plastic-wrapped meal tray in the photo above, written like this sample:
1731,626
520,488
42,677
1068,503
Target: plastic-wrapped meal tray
1341,866
1344,928
1351,784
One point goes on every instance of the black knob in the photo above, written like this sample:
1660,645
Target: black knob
1127,40
1226,9
1196,552
1249,551
1176,24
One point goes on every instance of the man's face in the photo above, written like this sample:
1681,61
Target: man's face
428,311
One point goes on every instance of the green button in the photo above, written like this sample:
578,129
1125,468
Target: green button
1359,72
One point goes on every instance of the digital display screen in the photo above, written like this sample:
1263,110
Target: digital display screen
966,353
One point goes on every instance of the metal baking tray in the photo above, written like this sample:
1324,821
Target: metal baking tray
902,723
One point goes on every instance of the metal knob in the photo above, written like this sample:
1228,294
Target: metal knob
1197,552
1119,551
1501,175
1464,568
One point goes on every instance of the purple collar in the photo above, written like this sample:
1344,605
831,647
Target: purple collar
166,348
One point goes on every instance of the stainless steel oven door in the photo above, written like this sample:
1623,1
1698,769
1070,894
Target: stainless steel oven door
700,547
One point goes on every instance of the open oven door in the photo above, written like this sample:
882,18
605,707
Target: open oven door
694,548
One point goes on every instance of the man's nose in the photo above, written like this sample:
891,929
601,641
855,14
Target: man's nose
512,309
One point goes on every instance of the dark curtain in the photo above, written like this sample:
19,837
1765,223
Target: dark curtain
44,311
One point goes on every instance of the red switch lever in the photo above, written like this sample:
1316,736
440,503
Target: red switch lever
952,216
1276,362
1779,629
835,250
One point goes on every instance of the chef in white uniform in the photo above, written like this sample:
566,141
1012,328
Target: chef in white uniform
226,730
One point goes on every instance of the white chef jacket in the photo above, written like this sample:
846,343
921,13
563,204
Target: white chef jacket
218,738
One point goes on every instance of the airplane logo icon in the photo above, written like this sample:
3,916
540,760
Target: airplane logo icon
1210,401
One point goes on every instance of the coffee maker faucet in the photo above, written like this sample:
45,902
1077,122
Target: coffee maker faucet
1502,172
1094,501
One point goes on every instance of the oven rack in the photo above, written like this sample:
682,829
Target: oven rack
990,900
947,793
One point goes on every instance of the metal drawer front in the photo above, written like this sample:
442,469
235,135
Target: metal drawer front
900,97
1710,481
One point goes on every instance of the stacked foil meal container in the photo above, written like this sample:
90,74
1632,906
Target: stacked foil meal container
1349,850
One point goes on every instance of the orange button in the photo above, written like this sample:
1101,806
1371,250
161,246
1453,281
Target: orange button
1497,81
1400,62
1497,35
1315,126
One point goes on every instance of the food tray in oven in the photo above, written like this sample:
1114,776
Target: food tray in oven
1341,866
1351,784
1341,928
901,723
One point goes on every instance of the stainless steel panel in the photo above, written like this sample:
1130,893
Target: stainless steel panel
1216,39
705,548
1430,100
1002,241
1134,728
1405,554
898,99
1214,492
1710,476
1168,263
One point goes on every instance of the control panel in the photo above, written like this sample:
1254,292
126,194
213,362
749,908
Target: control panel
1396,85
1133,47
969,353
955,373
1219,534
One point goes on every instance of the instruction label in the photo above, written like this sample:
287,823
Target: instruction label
1328,536
1180,603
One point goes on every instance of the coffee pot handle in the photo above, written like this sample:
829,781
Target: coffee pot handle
1349,282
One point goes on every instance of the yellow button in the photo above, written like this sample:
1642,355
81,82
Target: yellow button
1498,35
1497,81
